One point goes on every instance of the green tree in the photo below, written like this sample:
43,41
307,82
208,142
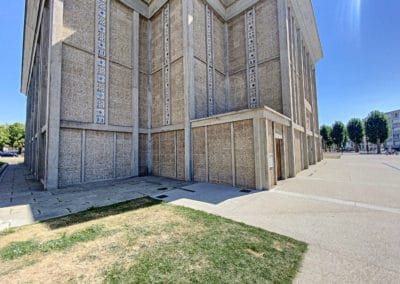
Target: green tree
377,128
4,136
355,130
338,133
326,133
17,135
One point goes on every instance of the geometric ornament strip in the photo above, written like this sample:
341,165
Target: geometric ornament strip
251,48
100,60
166,66
210,60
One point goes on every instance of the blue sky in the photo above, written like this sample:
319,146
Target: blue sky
360,70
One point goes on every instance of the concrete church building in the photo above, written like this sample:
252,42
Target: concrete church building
219,91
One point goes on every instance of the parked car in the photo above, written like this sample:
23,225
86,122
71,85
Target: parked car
8,154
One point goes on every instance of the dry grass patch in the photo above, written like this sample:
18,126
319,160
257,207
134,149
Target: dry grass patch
144,241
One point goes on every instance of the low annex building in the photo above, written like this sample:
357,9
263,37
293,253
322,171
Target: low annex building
219,91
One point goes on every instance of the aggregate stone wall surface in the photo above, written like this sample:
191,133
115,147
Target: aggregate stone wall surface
200,87
77,85
79,17
176,32
156,42
143,71
157,100
70,157
123,159
120,95
143,100
199,30
177,96
120,33
237,44
168,151
267,30
99,155
270,87
219,153
44,48
218,44
143,152
199,154
244,153
238,91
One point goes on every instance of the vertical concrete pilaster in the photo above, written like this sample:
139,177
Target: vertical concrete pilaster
56,35
188,79
287,91
260,130
135,95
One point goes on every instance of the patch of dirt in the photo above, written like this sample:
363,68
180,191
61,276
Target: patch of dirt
255,253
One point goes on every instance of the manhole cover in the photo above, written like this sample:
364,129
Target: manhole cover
162,188
245,190
162,196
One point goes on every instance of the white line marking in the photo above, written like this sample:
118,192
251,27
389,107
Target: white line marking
340,201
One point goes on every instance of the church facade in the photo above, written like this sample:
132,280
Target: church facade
219,91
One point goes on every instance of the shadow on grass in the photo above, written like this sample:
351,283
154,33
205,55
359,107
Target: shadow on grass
100,212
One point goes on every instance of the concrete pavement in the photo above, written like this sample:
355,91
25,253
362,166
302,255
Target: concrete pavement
347,210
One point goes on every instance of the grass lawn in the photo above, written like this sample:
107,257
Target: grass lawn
143,241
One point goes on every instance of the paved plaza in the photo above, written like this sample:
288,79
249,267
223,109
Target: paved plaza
347,210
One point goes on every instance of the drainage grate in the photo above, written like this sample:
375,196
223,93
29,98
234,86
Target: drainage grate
245,190
186,189
162,196
162,188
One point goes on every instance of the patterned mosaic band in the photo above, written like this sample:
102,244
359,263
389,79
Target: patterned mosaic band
251,51
166,67
210,60
100,61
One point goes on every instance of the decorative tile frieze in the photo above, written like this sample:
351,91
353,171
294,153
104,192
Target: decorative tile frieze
166,66
100,61
251,53
210,60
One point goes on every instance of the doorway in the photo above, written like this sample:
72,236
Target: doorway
278,158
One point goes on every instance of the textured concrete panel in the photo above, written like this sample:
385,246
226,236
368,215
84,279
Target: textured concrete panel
120,33
99,155
219,153
244,153
167,154
77,85
238,91
219,44
267,29
220,94
143,85
157,42
180,154
199,154
143,167
143,45
270,90
176,38
123,167
177,97
70,157
297,151
200,89
155,143
78,22
120,95
199,30
157,100
237,44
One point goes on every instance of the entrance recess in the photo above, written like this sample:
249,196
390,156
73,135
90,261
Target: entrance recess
278,158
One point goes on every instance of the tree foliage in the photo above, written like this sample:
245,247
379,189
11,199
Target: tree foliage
377,128
355,131
326,133
4,136
338,133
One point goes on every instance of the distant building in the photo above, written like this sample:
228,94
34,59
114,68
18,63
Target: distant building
393,141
